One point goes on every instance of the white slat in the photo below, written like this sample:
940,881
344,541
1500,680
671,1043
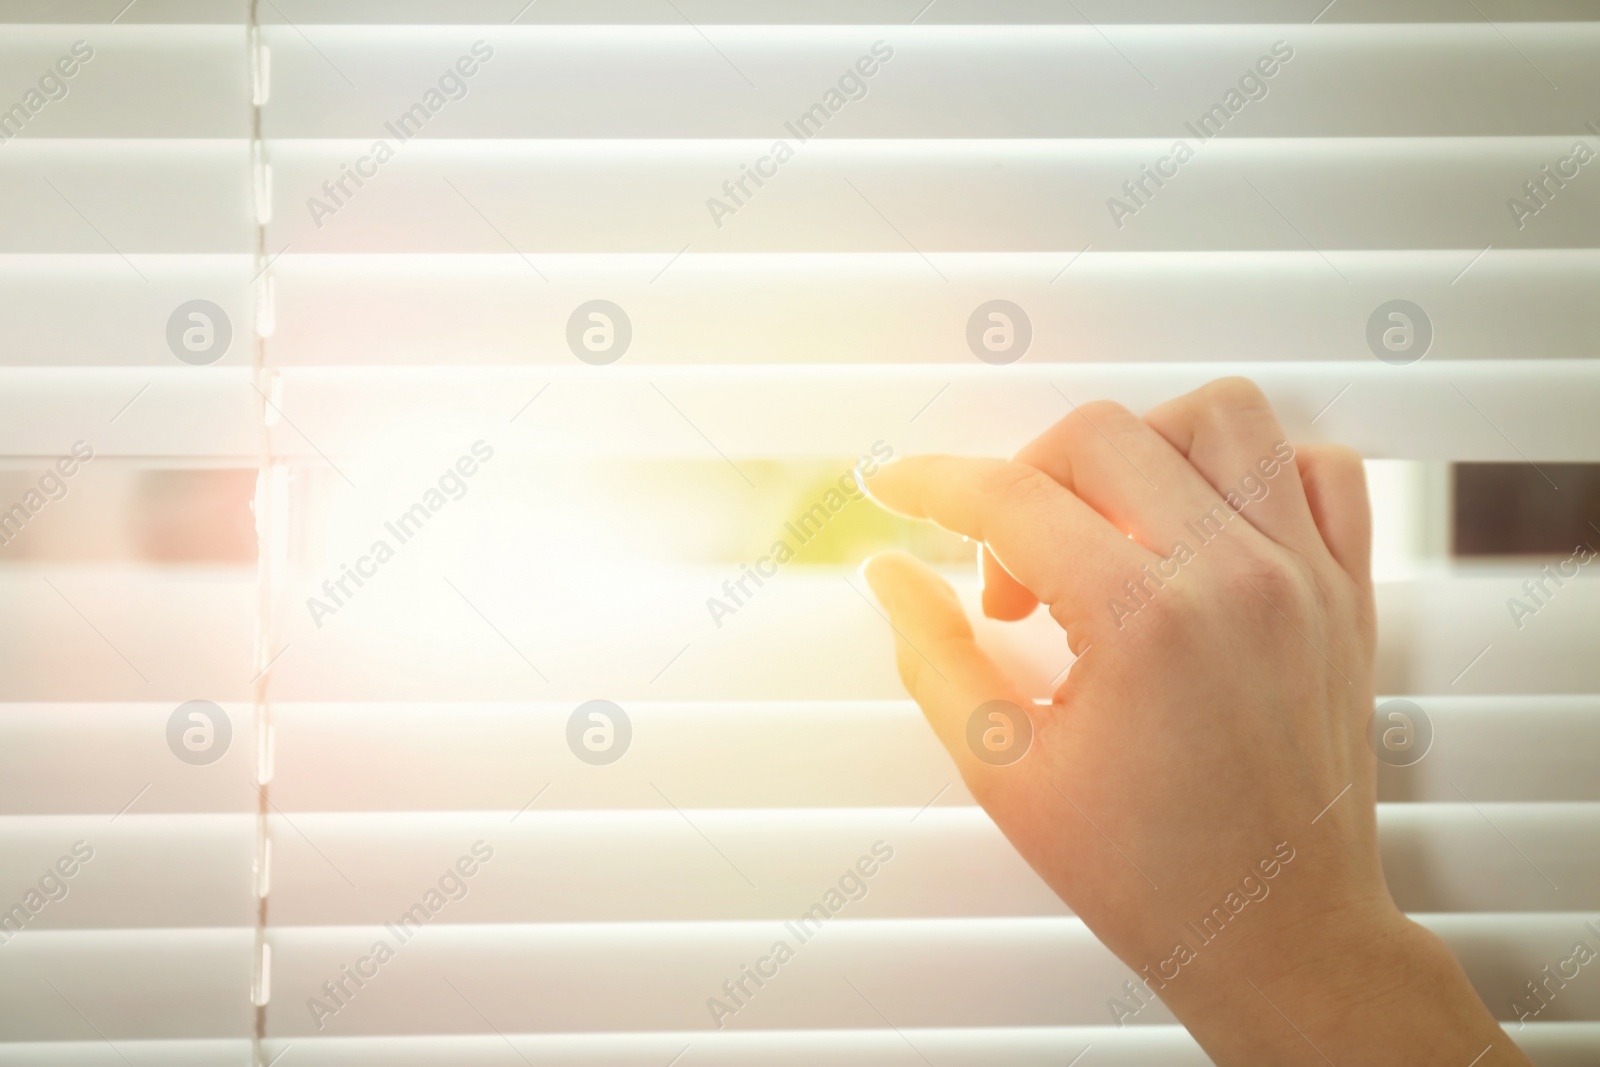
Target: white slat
889,308
642,977
93,759
412,638
141,81
132,196
935,196
659,976
872,12
1529,748
128,634
666,865
1427,411
92,310
152,12
415,641
1547,1044
1013,81
97,1053
1411,413
459,757
60,758
1471,856
948,863
141,984
145,871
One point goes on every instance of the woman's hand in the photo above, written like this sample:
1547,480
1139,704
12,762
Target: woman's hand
1201,792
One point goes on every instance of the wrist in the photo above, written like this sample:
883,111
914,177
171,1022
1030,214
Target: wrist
1364,984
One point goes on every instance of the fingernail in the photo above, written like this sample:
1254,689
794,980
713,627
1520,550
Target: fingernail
861,484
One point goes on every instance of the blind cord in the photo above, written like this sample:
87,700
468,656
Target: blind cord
270,485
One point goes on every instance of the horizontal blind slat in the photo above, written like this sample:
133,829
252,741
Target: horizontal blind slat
1337,195
869,309
134,983
129,196
414,639
1455,411
167,81
1548,1044
955,12
653,865
193,1052
1025,972
889,308
939,81
643,977
394,758
66,310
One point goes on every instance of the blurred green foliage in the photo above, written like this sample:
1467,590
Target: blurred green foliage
862,527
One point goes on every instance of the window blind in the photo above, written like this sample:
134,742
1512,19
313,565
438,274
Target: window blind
210,264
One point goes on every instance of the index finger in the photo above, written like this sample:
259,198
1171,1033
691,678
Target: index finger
1062,550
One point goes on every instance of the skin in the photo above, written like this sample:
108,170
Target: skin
1199,739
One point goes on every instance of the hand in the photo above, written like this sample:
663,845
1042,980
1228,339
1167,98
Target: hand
1201,791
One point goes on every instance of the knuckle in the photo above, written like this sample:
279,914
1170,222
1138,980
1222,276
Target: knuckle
1235,392
1088,429
1167,419
1013,481
1037,452
1165,610
1175,612
1107,415
1346,460
1279,586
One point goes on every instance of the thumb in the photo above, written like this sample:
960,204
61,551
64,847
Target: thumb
947,674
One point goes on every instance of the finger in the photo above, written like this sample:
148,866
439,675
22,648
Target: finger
1336,492
1229,433
1004,597
943,668
1117,464
1062,550
1106,486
